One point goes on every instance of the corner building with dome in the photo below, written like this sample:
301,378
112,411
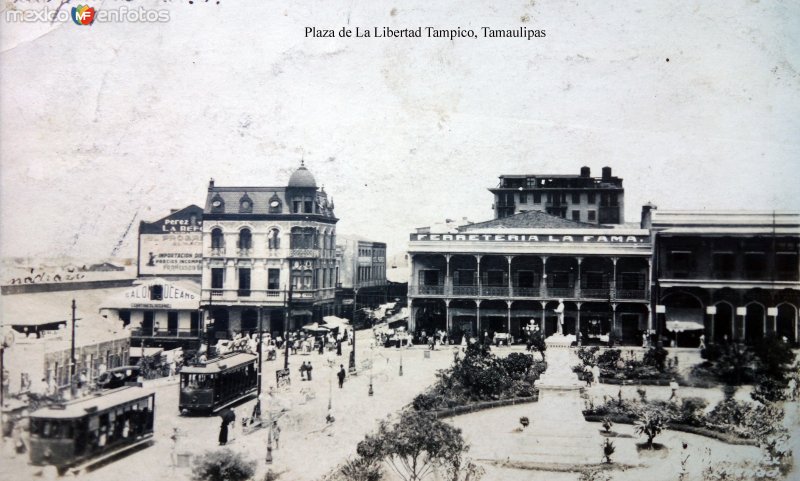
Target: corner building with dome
257,243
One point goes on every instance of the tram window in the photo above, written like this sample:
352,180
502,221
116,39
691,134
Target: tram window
48,428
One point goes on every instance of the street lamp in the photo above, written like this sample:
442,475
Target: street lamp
72,355
371,362
352,363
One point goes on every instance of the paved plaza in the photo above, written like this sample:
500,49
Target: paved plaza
309,448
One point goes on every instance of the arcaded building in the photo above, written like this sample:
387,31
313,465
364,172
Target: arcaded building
260,241
737,273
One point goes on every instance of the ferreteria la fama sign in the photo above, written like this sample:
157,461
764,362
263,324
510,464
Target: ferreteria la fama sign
534,238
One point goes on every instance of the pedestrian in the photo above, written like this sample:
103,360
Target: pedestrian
702,341
341,374
674,386
339,347
580,336
276,434
644,340
232,428
303,371
321,345
309,368
596,374
587,375
223,433
792,386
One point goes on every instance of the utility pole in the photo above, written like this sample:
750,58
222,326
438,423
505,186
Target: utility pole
352,363
72,354
286,326
260,360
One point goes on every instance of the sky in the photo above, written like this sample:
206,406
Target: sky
693,103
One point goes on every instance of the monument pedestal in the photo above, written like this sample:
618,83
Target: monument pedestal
560,359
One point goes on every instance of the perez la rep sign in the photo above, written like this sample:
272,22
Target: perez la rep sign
531,238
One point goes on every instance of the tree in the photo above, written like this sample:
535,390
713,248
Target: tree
517,364
608,450
774,359
223,465
416,445
734,365
650,424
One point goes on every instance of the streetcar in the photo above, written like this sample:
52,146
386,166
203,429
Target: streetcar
86,431
208,387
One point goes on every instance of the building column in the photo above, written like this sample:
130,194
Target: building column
448,320
510,283
543,280
614,318
578,280
578,320
614,278
478,317
649,280
542,323
448,281
509,316
478,270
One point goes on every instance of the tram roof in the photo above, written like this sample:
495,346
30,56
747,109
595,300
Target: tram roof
81,407
220,364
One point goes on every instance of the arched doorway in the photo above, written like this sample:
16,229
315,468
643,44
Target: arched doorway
723,322
786,321
754,322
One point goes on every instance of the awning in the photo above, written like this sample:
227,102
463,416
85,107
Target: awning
315,327
684,319
148,351
333,322
301,312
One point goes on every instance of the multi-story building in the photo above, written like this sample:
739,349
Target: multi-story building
582,198
360,274
160,312
737,273
501,275
268,252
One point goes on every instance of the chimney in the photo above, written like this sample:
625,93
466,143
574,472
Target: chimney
586,171
606,173
647,215
211,183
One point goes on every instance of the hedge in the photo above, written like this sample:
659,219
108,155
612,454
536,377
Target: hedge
480,406
724,437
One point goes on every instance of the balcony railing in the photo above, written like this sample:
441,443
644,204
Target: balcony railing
218,251
181,333
431,290
244,251
494,291
465,290
561,292
594,293
304,253
631,294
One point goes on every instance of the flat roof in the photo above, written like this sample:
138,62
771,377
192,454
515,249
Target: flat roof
220,363
101,402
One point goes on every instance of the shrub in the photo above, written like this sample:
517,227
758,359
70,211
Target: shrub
650,424
425,402
608,450
361,469
588,355
223,465
607,424
415,445
692,410
655,357
517,364
609,357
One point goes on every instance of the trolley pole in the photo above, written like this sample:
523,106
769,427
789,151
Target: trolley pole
352,363
72,354
260,360
286,327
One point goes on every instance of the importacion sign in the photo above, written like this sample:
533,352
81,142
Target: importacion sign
172,245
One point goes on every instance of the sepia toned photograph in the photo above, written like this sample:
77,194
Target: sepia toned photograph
416,241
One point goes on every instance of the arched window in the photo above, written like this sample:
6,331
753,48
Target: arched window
273,239
217,239
245,239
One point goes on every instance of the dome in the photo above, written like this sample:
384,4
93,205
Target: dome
302,178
